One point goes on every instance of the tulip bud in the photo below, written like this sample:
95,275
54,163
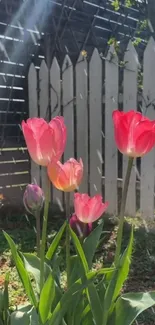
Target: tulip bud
33,198
81,229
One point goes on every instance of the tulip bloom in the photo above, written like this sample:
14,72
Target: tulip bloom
45,141
66,177
81,229
134,133
33,198
89,209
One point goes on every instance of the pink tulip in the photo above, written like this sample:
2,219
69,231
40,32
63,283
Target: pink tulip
134,133
66,177
89,209
45,141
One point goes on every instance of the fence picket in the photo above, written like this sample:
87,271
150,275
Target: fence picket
148,161
68,107
55,90
44,106
111,103
95,121
82,117
33,112
130,102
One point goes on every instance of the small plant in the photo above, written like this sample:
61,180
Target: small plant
89,296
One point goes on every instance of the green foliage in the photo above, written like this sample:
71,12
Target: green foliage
93,296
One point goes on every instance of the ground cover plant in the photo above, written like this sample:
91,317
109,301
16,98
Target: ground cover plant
76,292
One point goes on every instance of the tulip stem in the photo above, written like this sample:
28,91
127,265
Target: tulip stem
67,210
122,209
37,216
44,234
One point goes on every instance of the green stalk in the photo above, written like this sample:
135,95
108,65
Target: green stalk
44,234
37,216
67,208
122,210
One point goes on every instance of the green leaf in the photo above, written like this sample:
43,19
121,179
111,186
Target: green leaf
76,268
79,250
23,274
46,299
95,303
32,265
129,306
91,243
51,251
18,318
117,280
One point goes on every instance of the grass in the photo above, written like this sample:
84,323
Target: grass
142,272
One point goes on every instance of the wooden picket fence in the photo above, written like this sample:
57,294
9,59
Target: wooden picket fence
86,95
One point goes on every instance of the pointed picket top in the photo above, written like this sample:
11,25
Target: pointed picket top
66,63
131,57
112,55
55,65
150,47
32,69
81,58
95,55
55,87
43,65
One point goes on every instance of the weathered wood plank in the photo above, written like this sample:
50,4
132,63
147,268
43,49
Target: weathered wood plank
130,102
55,84
44,106
82,117
68,107
95,120
148,161
111,103
33,112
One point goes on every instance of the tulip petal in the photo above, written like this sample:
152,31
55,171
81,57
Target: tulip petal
120,131
59,136
30,142
145,143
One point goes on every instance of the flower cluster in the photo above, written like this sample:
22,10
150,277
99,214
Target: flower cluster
46,145
134,136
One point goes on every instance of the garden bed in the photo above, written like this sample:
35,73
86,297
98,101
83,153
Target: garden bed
142,272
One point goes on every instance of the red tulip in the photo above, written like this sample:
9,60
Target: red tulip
134,133
89,209
81,229
45,141
66,177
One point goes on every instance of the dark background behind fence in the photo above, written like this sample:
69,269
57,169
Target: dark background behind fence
33,30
